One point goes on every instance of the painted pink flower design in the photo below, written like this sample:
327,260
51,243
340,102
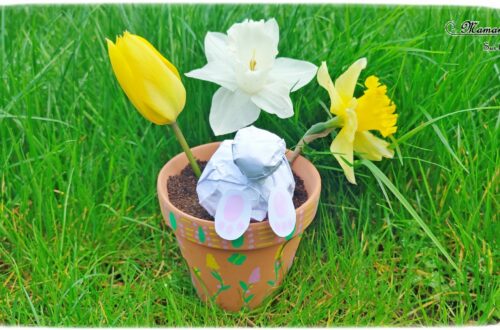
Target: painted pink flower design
254,276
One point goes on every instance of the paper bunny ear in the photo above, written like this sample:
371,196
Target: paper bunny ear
281,212
232,216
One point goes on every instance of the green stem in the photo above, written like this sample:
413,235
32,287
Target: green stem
185,147
316,131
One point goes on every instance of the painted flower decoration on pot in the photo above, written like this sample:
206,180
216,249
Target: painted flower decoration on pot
243,62
374,110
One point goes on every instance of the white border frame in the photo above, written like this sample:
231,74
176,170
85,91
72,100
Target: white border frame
476,3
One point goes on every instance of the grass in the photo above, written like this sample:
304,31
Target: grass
81,234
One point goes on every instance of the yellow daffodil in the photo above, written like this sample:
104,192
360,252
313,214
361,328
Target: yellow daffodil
372,111
150,81
211,262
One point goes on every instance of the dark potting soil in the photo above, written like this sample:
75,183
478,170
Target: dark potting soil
182,192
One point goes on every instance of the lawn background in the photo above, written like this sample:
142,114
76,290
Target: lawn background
81,234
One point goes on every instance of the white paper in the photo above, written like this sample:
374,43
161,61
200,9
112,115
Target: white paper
254,163
232,215
257,152
281,211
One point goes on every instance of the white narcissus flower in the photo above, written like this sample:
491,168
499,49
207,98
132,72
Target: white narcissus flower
244,63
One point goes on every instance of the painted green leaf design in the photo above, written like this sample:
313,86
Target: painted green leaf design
225,287
244,286
238,242
247,299
289,237
237,259
173,222
216,275
201,234
270,282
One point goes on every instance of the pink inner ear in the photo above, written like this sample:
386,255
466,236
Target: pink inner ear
233,208
279,204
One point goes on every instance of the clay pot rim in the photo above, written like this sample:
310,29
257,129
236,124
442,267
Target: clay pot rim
163,191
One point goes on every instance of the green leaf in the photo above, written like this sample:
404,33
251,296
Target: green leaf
379,175
270,282
225,287
201,234
247,299
173,222
238,242
244,286
289,237
216,275
237,259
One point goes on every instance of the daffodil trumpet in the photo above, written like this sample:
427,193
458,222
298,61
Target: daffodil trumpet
152,84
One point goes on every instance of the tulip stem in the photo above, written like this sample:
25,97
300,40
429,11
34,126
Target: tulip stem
185,147
316,131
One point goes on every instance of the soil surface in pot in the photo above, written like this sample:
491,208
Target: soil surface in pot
182,192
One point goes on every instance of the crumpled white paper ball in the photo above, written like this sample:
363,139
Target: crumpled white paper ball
253,163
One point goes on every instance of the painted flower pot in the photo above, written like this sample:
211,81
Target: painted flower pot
243,272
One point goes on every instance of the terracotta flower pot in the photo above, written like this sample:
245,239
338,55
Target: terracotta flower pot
242,272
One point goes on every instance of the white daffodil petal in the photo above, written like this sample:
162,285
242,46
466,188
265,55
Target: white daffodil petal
337,105
231,111
216,47
294,73
343,144
371,147
346,83
273,30
275,99
216,72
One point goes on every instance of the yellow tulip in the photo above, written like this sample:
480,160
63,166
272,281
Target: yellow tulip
151,82
372,111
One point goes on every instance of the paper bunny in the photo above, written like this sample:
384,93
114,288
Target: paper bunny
248,178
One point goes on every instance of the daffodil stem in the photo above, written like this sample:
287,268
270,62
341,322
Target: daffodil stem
185,147
316,131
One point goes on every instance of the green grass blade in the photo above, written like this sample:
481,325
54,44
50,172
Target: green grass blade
445,141
384,179
420,127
